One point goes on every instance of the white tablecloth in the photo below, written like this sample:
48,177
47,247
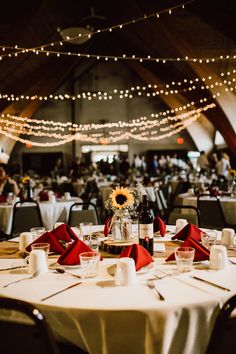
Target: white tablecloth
51,213
103,318
228,205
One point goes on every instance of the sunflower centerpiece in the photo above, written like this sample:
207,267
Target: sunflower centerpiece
121,202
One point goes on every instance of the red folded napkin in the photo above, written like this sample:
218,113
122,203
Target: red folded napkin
159,225
3,199
107,226
55,245
43,196
60,233
201,252
64,232
71,254
188,230
139,254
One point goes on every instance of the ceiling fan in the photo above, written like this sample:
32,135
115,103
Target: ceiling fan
80,35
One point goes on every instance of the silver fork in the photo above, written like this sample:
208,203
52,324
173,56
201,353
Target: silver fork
151,285
19,280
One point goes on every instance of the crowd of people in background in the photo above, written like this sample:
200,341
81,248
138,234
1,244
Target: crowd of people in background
221,166
163,168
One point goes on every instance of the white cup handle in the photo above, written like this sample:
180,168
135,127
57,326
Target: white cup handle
118,276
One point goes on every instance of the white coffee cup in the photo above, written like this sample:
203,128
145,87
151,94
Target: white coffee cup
37,262
180,223
218,257
26,238
125,272
227,237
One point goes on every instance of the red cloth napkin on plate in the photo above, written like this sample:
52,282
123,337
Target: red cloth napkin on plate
139,254
71,254
159,225
60,233
188,230
107,226
64,232
55,245
201,252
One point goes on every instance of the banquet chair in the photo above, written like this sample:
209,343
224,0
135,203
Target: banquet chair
83,212
188,212
23,328
212,215
223,335
25,216
161,205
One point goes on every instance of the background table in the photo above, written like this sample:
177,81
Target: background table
50,212
228,205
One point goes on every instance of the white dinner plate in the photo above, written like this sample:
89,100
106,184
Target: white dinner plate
74,266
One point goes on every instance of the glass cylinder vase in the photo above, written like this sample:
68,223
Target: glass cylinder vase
122,229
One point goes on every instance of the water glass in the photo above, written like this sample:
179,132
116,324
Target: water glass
86,228
44,246
209,238
37,231
184,258
89,264
10,198
94,243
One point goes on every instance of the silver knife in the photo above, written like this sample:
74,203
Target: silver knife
210,283
10,268
61,291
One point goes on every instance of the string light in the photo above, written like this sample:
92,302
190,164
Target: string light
80,137
204,60
96,32
8,119
131,92
142,129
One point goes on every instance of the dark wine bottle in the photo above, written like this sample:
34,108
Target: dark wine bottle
145,229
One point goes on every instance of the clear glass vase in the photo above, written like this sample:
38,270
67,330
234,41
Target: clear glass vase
122,228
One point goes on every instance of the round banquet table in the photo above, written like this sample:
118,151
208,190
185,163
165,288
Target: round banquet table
228,205
100,317
50,212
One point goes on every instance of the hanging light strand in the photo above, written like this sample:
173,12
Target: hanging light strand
99,31
134,91
95,126
148,58
86,138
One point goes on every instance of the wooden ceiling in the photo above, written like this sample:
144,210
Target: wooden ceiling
204,28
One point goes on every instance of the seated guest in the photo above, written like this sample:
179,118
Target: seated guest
7,184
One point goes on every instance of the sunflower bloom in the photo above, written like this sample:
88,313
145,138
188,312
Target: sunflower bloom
121,199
